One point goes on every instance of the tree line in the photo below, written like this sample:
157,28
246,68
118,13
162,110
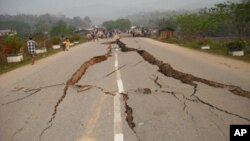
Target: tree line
224,19
122,24
26,24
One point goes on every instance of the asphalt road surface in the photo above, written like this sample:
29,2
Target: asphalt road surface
98,92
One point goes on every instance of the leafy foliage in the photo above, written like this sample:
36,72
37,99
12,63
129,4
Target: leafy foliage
121,24
236,45
61,28
27,24
13,44
223,19
21,27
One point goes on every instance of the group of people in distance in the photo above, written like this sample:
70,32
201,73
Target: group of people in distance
96,34
31,45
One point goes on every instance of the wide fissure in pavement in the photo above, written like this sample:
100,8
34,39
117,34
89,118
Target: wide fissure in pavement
188,79
73,80
129,112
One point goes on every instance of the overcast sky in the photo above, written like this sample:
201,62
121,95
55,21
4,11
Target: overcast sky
98,8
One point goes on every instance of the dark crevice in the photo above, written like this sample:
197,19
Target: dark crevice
33,92
105,91
218,125
185,109
52,85
219,109
195,90
17,89
191,100
74,79
171,93
189,79
114,71
136,64
129,112
58,103
157,82
144,90
196,99
81,88
44,130
21,129
185,78
17,132
217,116
185,106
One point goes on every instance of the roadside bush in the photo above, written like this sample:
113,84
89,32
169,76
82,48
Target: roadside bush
236,45
74,37
11,45
55,40
172,40
49,43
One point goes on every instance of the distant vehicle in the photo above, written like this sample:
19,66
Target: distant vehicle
136,31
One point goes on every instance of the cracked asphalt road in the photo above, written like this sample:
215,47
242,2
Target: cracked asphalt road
71,95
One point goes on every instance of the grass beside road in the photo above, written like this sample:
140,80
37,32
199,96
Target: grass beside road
27,60
218,48
6,67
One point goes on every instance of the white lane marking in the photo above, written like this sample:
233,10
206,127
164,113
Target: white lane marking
118,133
116,64
120,86
119,137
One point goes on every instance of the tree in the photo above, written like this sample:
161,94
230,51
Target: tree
121,24
78,22
88,21
241,17
59,29
14,43
21,27
42,27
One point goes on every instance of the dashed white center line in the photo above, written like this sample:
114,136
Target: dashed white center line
118,133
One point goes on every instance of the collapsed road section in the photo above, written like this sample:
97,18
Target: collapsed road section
73,80
189,79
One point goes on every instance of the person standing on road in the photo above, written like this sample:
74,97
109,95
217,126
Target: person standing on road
31,44
66,43
62,39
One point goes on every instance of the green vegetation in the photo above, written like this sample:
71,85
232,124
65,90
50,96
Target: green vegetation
237,45
61,28
20,27
11,44
17,44
224,27
122,24
219,48
6,67
27,24
222,20
45,29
